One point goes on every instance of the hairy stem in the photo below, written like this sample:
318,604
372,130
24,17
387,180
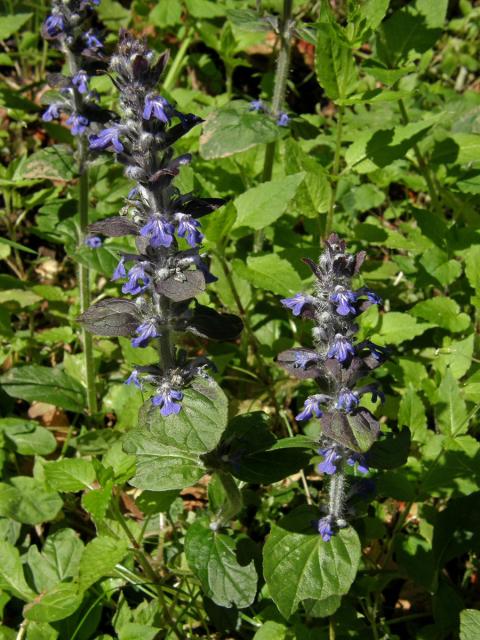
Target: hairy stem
336,493
334,173
279,91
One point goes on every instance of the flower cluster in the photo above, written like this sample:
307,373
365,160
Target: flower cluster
336,363
69,26
168,270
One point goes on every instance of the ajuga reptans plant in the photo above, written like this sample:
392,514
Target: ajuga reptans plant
71,28
336,363
168,270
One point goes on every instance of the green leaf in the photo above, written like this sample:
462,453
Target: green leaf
58,561
468,147
12,24
390,451
450,410
334,63
153,502
469,624
299,565
52,163
166,14
255,456
70,474
271,630
442,312
378,149
27,437
269,272
472,260
33,382
57,604
169,450
233,129
26,500
411,31
12,578
439,268
113,15
411,413
99,559
204,9
262,205
213,558
396,327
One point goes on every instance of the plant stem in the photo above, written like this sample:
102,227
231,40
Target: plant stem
178,61
336,493
335,172
84,285
279,91
83,270
422,165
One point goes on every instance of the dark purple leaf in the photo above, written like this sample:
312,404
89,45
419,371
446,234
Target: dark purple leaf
113,227
288,361
111,317
182,286
208,323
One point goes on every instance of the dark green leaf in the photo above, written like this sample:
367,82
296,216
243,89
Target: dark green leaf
212,556
298,565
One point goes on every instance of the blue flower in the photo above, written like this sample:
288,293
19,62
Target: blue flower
78,123
344,300
54,25
370,295
325,528
106,138
188,228
311,406
283,119
158,107
92,41
168,400
94,242
297,303
257,105
379,353
134,379
303,358
341,349
53,111
120,271
136,273
145,331
159,230
348,400
80,80
133,193
360,461
330,457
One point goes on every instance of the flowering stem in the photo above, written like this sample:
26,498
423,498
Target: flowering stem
177,62
336,493
334,174
279,91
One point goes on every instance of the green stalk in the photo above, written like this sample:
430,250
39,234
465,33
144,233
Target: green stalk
278,99
178,61
84,285
422,165
334,173
84,270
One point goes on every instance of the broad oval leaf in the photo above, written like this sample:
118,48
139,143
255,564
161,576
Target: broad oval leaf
57,604
169,449
233,129
26,500
298,565
212,556
54,386
356,431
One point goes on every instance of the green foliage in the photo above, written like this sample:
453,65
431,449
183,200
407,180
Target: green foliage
122,523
